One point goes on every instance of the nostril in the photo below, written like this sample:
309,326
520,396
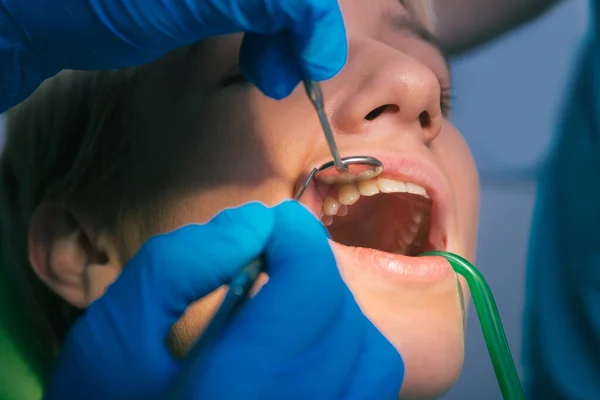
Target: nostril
376,113
380,110
425,120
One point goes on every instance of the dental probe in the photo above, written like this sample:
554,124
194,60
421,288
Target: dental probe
313,90
342,165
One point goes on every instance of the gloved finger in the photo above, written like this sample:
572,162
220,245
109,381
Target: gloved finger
268,62
300,40
303,326
173,270
303,276
319,41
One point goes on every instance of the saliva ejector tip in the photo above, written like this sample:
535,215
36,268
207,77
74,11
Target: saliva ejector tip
491,325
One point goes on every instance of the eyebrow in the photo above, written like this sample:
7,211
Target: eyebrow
405,24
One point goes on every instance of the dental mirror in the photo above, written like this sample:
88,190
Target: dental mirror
358,168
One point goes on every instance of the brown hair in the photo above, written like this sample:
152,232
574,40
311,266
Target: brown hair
62,145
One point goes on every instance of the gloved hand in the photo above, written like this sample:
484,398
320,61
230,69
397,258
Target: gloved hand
302,336
289,39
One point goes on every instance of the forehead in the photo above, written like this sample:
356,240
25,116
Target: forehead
361,14
400,17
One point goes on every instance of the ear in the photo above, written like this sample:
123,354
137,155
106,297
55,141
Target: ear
76,264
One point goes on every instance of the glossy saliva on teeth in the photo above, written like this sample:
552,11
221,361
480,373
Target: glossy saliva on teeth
343,178
350,193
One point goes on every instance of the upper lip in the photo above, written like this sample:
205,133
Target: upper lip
406,167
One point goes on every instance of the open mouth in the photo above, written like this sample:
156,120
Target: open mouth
381,214
389,219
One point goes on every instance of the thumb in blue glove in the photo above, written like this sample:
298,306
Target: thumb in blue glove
118,350
288,40
302,336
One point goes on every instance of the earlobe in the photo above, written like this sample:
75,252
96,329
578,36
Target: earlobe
60,253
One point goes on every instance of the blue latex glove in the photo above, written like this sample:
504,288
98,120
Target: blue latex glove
289,39
302,336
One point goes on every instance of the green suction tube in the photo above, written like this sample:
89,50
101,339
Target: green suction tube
491,325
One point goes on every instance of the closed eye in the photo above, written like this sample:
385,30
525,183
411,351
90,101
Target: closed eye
233,76
235,79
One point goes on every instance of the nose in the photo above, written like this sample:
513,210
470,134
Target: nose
386,90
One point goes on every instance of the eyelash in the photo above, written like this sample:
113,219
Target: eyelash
236,79
446,100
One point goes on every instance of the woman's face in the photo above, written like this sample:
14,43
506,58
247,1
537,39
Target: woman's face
212,141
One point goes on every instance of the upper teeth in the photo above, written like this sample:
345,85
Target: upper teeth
344,178
350,193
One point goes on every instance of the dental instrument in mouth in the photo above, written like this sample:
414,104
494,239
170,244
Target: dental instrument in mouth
314,93
347,168
339,170
358,168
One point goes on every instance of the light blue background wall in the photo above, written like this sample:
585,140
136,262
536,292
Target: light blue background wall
507,100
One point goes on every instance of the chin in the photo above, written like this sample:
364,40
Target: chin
434,365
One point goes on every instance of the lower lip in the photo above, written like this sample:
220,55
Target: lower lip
397,267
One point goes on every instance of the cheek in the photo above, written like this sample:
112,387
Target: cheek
236,148
455,155
252,137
